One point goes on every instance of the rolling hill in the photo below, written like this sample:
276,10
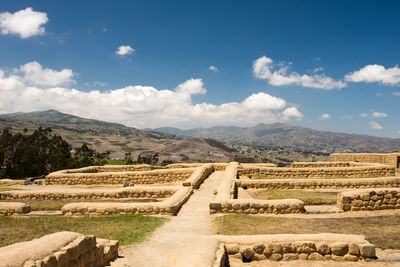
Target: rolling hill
288,136
117,138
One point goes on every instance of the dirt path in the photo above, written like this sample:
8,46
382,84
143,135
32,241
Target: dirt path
193,219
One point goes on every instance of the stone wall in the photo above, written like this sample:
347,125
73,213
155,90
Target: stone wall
225,200
111,168
136,192
320,183
392,159
254,206
322,164
60,249
369,199
199,175
339,172
164,176
170,206
289,247
11,208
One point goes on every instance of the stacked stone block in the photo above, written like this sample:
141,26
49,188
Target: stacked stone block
369,199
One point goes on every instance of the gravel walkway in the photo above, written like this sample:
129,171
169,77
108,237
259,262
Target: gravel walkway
192,220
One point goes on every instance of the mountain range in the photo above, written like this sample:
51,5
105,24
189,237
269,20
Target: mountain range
288,136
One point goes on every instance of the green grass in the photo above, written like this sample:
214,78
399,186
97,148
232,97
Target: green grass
2,189
260,177
116,162
308,197
45,204
382,231
128,229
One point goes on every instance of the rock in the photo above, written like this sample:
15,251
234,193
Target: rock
339,248
232,248
350,258
273,248
289,248
276,257
354,250
303,256
315,257
306,247
290,256
367,251
259,248
247,253
323,248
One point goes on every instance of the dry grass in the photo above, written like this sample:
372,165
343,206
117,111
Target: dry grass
382,231
2,189
128,229
308,197
260,177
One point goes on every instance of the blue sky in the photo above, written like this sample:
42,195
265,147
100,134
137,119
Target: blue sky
328,65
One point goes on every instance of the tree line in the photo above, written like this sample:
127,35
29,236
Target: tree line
30,155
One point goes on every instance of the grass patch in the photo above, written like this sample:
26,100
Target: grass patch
58,204
260,177
2,189
308,197
382,231
116,162
128,229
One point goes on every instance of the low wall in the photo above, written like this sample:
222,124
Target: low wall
226,185
60,249
263,165
11,208
148,192
111,168
322,164
358,171
289,247
163,176
319,183
170,206
199,175
254,206
392,159
369,199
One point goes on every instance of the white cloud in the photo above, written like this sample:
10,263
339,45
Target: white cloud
379,115
364,115
264,68
396,93
36,75
398,131
214,69
292,112
318,69
375,73
375,125
124,50
142,106
25,23
325,116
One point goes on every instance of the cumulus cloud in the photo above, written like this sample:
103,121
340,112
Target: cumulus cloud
124,50
379,115
291,112
142,106
25,23
375,125
213,69
35,74
277,75
364,115
375,73
325,116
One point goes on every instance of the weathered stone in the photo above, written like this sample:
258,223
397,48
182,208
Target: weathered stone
290,256
315,257
307,247
353,249
276,257
259,248
323,248
232,248
247,252
272,248
303,256
289,248
367,251
349,257
339,248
